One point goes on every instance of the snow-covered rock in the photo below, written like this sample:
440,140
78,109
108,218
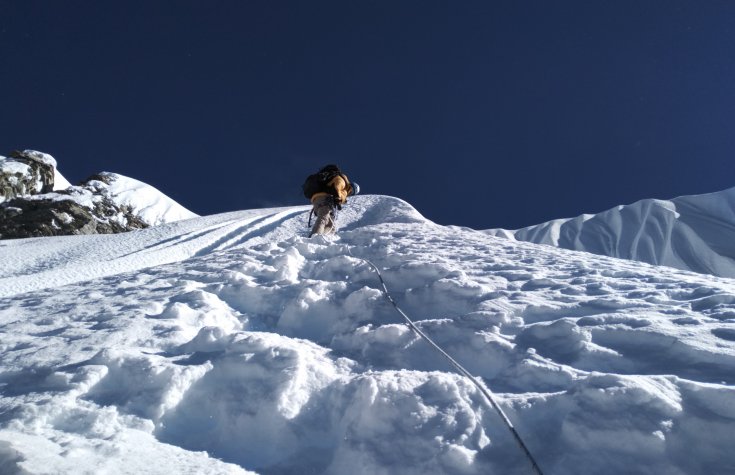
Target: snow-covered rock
233,343
26,173
144,201
695,232
36,200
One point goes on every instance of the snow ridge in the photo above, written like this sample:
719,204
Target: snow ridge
694,233
233,343
152,206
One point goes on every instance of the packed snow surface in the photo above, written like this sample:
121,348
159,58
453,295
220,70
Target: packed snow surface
694,232
234,344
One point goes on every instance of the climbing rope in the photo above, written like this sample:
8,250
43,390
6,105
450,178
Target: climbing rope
458,367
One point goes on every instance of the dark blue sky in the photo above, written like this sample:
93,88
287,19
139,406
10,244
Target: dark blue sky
484,114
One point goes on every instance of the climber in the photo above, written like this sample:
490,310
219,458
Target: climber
327,190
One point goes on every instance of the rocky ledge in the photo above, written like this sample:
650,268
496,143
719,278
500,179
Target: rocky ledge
35,200
26,173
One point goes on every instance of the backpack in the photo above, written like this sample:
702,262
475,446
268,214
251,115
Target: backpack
319,182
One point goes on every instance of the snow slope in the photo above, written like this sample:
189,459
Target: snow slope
232,343
60,183
147,202
689,232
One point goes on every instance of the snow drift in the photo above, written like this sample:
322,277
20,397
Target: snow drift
694,233
234,344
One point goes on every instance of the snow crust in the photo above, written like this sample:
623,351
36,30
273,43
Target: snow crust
234,344
44,158
12,167
694,232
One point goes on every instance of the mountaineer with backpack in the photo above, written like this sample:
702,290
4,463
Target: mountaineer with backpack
327,190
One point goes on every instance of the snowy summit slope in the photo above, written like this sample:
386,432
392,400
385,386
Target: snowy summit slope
234,344
694,232
147,202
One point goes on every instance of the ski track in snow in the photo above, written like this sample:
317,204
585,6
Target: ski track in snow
233,343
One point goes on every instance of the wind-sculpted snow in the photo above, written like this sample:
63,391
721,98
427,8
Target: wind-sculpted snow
233,343
145,201
689,232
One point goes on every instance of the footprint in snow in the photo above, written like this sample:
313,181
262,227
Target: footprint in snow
724,333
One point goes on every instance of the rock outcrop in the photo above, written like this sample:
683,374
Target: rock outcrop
32,206
26,173
83,209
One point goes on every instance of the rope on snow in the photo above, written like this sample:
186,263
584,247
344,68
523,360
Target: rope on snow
459,368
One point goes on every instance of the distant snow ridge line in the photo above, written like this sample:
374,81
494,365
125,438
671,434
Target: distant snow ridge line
36,200
256,348
694,232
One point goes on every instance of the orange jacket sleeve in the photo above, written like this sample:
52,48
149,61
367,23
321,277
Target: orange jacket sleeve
342,185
